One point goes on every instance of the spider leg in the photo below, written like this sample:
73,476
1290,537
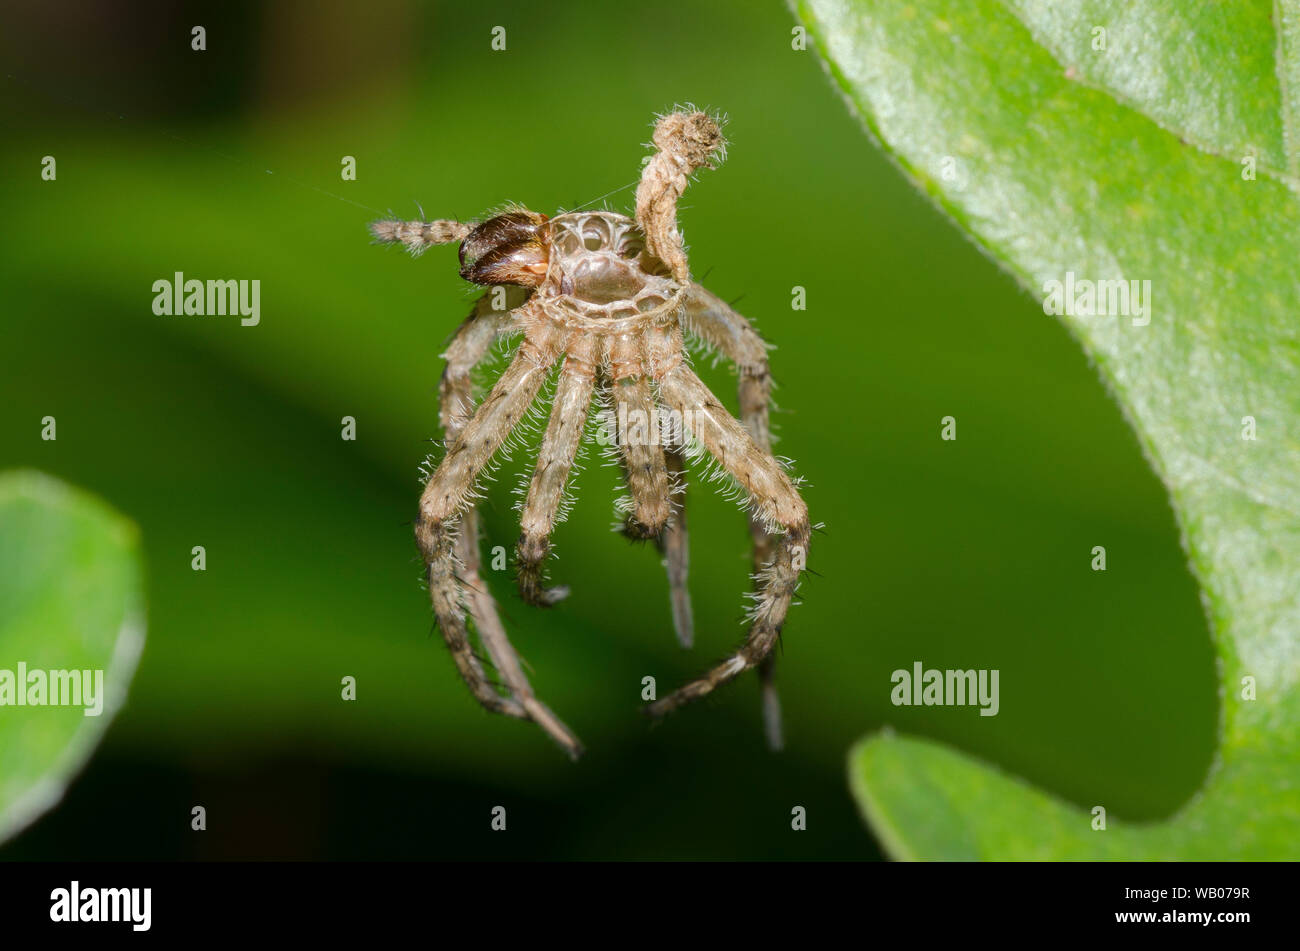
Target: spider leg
443,503
418,236
712,320
643,437
685,142
673,545
776,502
554,462
771,703
471,344
637,426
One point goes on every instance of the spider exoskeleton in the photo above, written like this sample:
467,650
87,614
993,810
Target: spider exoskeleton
601,302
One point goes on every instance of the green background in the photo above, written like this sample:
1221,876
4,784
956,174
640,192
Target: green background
225,164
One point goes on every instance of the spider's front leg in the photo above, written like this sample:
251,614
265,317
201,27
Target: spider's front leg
418,236
443,504
776,502
685,142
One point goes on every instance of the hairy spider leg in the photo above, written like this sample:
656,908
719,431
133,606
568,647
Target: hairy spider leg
418,236
445,499
709,318
654,476
555,457
471,344
636,418
685,143
775,501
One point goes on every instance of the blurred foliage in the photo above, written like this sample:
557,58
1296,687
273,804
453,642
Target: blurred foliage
972,553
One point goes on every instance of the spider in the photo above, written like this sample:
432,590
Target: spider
607,300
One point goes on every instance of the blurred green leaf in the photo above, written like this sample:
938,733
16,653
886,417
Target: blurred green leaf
1052,177
70,600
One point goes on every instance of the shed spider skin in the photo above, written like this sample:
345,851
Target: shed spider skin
601,303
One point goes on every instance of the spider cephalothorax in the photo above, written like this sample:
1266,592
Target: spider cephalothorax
602,302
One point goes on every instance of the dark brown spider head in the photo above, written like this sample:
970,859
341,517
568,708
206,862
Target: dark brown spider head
510,248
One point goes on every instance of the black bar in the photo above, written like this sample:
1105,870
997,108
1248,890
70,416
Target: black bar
657,901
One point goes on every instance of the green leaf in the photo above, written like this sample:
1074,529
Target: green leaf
1056,163
70,600
1205,71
